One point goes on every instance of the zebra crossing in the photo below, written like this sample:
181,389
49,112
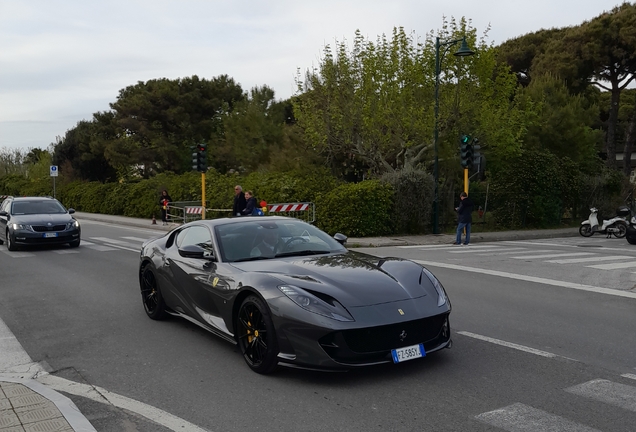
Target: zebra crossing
98,244
562,254
519,417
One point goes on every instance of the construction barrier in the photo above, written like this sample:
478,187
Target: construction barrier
305,211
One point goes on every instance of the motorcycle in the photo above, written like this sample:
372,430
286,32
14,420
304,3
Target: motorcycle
616,226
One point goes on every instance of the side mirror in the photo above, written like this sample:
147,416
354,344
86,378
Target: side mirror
340,238
197,252
71,211
4,213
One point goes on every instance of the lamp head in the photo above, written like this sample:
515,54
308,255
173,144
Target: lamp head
464,50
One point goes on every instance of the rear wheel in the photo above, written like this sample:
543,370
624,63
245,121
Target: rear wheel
154,304
622,230
256,335
586,230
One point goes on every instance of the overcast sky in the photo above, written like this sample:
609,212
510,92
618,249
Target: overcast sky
63,60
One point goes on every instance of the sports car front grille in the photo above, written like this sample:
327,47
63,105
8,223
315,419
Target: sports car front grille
44,228
373,344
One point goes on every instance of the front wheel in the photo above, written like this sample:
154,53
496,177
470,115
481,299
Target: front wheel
631,240
622,230
74,243
256,335
10,243
586,230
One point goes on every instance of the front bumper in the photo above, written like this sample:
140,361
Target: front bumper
27,237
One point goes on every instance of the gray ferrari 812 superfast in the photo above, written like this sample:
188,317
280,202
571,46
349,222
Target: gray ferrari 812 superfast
290,294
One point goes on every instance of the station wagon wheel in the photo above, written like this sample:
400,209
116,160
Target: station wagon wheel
256,335
10,243
154,304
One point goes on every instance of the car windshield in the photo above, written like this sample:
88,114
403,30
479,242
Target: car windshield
37,207
264,238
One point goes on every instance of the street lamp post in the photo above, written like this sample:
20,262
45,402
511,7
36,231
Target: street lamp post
462,52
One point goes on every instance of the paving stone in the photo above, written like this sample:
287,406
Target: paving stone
28,400
8,419
12,429
55,425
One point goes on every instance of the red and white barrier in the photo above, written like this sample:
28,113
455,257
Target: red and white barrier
194,210
273,208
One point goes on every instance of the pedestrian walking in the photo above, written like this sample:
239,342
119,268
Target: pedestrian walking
164,202
465,218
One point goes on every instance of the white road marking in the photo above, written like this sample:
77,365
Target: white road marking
523,418
539,280
15,363
422,246
472,249
620,395
18,254
509,344
630,376
552,255
538,243
119,244
590,259
614,266
103,248
87,243
65,251
139,239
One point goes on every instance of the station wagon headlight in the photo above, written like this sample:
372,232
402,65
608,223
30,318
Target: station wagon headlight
72,224
442,298
311,303
16,226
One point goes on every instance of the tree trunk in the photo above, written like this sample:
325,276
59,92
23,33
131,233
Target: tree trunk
610,139
630,137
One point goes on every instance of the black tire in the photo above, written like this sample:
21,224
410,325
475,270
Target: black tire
256,335
10,243
153,302
586,230
622,230
74,243
631,239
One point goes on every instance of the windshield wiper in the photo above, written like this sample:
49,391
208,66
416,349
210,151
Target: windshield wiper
256,258
302,253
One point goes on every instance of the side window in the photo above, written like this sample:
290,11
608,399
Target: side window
195,235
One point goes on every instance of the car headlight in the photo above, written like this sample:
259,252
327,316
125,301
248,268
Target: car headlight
16,226
72,224
442,298
311,303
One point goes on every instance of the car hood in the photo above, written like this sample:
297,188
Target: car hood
353,278
42,219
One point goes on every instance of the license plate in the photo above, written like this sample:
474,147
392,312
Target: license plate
408,353
48,235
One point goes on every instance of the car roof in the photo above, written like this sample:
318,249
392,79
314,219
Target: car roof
32,198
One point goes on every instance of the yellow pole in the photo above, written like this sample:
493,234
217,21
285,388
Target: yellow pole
203,195
466,180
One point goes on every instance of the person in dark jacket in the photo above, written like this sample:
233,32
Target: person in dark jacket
239,201
250,205
465,218
164,202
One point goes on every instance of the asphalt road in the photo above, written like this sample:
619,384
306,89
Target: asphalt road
527,355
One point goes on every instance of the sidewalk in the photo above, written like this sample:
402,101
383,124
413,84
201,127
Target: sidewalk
28,406
475,237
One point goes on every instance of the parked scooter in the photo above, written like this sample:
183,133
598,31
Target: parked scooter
616,226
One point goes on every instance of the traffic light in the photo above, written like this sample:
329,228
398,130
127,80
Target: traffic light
200,158
466,151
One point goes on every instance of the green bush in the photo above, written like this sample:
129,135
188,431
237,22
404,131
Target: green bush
413,199
357,210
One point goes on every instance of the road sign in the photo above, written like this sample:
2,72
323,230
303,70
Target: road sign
53,171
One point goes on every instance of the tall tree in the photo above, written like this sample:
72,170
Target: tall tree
371,108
